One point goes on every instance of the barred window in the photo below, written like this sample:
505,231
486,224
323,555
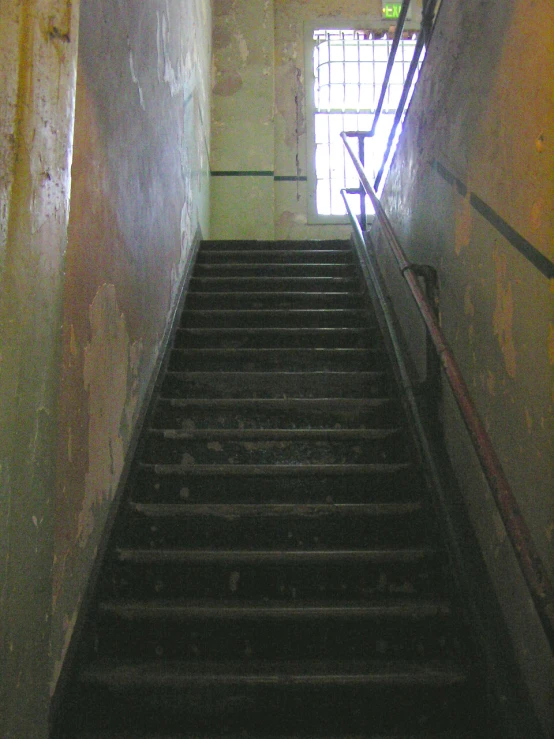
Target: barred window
349,68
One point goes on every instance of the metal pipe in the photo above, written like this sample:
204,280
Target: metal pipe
533,569
390,62
402,103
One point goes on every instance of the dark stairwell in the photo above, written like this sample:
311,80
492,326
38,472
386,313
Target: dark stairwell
276,569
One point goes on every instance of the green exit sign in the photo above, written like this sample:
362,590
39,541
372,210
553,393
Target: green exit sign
391,11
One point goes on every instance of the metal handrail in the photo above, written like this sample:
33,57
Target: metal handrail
390,61
532,567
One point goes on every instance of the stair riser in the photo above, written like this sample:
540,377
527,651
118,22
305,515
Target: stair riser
272,639
259,710
151,486
283,581
271,284
281,271
296,318
269,385
284,532
292,360
278,339
170,417
267,300
255,245
274,257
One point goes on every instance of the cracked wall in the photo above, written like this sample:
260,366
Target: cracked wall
471,192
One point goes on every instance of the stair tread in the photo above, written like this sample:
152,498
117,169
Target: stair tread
258,556
277,402
130,672
275,434
342,374
279,350
262,330
216,609
227,265
258,735
276,469
256,510
279,311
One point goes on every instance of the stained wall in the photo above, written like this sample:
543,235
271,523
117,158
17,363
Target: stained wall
86,298
38,46
471,192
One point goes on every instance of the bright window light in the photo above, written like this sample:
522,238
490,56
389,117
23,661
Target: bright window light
349,69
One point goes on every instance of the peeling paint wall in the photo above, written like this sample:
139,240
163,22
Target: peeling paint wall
481,130
259,116
38,47
139,201
138,89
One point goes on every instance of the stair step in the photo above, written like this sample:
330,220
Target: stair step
144,574
275,413
275,434
255,448
192,526
365,735
281,338
247,484
257,270
242,318
274,557
231,511
274,384
290,359
415,609
275,256
255,299
269,284
291,245
189,674
276,470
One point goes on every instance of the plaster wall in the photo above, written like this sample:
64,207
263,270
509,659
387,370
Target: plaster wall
85,299
259,115
481,129
38,47
139,202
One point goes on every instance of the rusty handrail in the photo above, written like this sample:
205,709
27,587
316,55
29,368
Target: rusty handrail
532,567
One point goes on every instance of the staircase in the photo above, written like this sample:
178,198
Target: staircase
276,569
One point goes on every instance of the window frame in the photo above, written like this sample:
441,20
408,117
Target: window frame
371,22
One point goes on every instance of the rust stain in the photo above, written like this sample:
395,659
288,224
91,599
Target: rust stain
504,314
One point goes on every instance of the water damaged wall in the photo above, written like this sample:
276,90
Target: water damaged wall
471,192
139,201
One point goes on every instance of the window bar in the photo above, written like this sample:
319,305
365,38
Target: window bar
343,72
359,73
